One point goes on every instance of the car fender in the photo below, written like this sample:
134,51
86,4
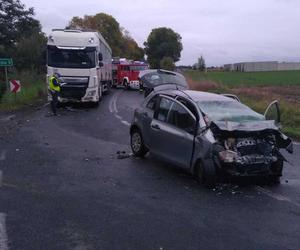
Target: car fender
203,151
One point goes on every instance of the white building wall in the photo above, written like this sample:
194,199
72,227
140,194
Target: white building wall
289,66
262,66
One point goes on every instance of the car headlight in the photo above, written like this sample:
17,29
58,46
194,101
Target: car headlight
227,156
91,93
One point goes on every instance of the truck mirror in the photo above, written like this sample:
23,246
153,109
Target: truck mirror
100,57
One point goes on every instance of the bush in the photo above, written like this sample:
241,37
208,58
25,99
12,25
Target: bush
33,89
167,63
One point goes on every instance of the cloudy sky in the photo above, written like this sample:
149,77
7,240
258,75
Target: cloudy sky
222,31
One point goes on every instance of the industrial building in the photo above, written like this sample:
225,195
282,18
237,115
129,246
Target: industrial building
262,66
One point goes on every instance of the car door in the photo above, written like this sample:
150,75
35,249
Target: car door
273,113
172,132
146,117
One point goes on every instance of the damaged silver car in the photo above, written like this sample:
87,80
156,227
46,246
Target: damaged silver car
210,134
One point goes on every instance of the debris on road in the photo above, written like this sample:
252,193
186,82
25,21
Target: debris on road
227,189
123,155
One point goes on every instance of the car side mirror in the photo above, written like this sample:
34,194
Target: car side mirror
100,56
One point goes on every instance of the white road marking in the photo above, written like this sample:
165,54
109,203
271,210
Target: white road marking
110,106
125,123
8,118
113,108
275,196
3,155
115,104
1,177
3,234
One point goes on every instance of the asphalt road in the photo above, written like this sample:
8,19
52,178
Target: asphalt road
63,187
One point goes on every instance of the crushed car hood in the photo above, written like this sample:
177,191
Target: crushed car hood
246,126
236,129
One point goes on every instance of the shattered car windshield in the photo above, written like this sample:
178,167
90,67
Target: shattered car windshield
228,111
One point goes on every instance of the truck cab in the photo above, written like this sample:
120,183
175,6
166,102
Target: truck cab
126,73
83,60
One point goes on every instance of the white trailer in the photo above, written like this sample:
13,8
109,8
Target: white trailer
84,61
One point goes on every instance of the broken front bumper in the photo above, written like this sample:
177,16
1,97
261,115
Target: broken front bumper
247,165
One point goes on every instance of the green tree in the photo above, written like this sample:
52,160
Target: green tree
167,63
121,43
162,42
20,35
15,22
201,64
30,53
130,48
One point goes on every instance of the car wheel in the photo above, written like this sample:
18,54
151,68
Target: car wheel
137,143
206,173
276,171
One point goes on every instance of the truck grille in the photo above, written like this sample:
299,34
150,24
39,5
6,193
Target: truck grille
75,87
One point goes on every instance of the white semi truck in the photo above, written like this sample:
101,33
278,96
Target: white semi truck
84,61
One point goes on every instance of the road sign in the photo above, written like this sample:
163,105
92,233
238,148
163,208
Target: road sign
15,86
6,62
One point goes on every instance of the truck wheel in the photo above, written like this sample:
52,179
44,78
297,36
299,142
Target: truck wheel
126,84
137,143
96,104
108,86
205,173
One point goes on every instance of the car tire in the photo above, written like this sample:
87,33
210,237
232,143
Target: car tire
137,143
276,171
205,173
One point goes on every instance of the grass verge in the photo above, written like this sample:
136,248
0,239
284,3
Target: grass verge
237,79
33,90
257,92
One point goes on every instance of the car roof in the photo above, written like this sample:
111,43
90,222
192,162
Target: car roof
198,95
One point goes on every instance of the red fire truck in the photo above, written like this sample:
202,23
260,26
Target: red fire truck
126,72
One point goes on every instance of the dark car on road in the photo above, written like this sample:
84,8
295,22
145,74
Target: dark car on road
209,134
160,79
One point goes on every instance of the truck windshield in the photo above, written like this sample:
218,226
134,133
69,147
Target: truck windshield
70,58
138,67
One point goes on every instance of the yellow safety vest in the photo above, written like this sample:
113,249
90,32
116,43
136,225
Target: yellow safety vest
52,86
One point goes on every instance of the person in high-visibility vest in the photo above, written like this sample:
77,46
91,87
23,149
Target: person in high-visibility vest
54,85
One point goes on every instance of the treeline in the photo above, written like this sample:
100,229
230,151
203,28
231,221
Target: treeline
119,39
21,36
22,39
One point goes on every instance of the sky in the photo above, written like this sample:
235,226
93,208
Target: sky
222,31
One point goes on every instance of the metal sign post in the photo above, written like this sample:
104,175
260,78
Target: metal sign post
6,78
